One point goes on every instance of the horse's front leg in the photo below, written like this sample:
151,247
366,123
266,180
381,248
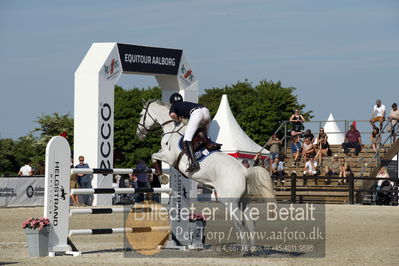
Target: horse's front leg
159,157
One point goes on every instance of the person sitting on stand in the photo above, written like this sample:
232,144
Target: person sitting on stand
296,120
309,149
296,149
332,169
324,150
344,171
321,134
198,117
309,135
378,114
375,139
278,171
393,117
352,140
311,169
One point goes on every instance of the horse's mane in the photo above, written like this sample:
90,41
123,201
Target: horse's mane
158,102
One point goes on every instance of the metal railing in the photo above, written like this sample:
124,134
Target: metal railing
350,189
377,155
362,125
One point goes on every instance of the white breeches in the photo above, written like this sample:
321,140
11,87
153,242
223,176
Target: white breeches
198,118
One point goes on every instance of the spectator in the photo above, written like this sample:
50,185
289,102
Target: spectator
309,135
311,169
245,163
84,181
26,170
352,140
278,171
274,144
258,161
74,185
296,149
155,183
115,184
41,170
296,120
344,171
384,187
132,184
324,150
143,179
332,169
321,134
375,139
309,150
394,117
378,114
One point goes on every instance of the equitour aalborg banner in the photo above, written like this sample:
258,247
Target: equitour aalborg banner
149,60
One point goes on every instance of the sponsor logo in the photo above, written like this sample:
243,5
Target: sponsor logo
30,191
34,191
105,132
6,192
112,69
186,75
147,59
63,193
56,192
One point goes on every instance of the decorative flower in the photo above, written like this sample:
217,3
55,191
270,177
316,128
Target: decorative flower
36,223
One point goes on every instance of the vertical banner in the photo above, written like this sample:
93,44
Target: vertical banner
95,81
56,196
180,207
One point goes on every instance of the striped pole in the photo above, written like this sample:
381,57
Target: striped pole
105,231
120,171
117,210
90,191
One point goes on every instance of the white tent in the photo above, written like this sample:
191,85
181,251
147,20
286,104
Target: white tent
334,133
224,129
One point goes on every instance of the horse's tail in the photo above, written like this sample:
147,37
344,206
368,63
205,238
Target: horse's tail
259,183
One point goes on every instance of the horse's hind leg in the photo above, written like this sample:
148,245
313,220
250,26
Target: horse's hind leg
248,223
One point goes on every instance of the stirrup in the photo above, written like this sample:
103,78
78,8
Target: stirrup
213,146
193,166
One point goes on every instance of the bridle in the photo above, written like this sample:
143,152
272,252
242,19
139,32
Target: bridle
146,108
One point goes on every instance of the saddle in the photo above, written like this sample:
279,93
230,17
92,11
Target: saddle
201,140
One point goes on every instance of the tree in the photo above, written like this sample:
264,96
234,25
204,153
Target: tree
128,105
8,162
259,109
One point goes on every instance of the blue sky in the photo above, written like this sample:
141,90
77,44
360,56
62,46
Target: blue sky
340,55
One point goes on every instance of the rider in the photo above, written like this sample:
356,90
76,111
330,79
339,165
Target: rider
198,117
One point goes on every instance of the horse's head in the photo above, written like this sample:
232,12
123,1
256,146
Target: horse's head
154,113
147,121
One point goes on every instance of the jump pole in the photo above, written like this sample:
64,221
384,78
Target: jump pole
57,198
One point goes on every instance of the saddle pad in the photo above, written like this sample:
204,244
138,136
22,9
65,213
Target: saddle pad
199,154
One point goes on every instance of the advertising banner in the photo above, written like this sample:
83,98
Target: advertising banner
149,60
21,191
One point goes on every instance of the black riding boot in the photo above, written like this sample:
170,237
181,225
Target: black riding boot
194,165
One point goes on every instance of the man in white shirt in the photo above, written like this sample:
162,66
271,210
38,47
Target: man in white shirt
310,170
26,170
378,114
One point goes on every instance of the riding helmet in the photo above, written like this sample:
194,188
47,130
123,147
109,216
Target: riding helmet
175,97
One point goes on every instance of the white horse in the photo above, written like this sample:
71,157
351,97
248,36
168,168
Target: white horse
232,181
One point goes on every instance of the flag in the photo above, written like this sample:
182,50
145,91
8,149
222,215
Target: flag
64,134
